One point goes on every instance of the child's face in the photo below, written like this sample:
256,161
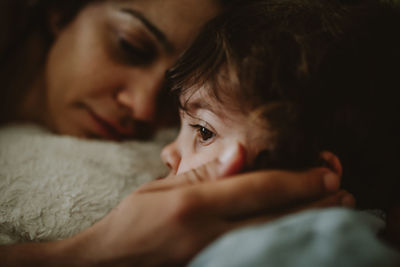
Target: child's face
208,128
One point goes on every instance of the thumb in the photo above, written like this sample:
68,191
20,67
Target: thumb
230,162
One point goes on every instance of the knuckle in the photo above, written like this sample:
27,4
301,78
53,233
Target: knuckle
314,181
333,200
196,175
144,187
208,171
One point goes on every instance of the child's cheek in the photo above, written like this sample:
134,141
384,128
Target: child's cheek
196,160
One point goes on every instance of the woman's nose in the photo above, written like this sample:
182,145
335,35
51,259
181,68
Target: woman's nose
171,157
141,103
140,94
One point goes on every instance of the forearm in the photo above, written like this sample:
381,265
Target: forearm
130,236
59,253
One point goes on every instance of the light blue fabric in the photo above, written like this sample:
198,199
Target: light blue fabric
331,237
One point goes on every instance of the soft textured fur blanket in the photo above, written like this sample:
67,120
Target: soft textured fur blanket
52,187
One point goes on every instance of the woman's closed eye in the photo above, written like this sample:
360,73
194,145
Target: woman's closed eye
205,136
134,54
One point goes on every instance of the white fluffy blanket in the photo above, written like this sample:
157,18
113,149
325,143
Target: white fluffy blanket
52,187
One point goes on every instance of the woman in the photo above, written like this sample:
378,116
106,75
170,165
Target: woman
96,70
102,69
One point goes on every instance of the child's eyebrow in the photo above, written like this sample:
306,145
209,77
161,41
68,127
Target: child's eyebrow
193,106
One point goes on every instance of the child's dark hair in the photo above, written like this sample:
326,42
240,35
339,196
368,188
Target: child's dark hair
324,74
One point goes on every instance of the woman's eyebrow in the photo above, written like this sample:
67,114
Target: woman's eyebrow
168,46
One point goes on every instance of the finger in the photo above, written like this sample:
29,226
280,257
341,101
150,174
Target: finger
256,192
229,163
201,174
333,161
339,199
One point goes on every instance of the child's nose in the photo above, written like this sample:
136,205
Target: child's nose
171,157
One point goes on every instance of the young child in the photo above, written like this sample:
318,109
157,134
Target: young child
298,84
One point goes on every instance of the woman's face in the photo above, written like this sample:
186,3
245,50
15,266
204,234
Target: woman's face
106,68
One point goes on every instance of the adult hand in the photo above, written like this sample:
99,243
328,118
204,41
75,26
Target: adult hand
168,221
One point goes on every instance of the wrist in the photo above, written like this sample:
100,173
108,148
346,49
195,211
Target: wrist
79,250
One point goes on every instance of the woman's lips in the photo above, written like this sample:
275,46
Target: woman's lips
104,129
108,129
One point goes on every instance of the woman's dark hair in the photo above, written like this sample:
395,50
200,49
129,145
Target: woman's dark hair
19,18
324,74
25,38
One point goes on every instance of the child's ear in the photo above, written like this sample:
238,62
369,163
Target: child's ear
332,161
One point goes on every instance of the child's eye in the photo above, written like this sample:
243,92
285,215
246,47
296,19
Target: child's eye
204,133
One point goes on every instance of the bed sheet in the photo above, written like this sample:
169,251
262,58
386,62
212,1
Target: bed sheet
330,238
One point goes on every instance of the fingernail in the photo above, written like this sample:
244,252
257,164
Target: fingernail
331,181
348,201
228,155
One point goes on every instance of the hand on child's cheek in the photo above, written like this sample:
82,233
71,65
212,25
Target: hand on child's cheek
193,158
231,160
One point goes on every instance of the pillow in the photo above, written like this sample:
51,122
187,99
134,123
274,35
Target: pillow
52,187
